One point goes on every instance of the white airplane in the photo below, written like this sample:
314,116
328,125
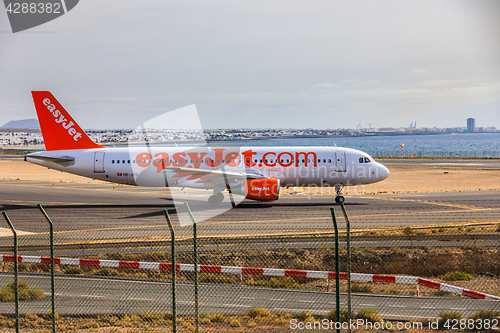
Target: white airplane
254,172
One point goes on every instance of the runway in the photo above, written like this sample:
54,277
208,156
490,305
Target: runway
96,212
97,296
448,163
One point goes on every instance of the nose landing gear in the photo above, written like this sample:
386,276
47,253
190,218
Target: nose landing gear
339,197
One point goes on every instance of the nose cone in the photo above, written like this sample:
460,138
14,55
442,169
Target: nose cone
383,172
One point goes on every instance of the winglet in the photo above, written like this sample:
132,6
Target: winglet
59,130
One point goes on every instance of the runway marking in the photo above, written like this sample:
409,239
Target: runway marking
92,296
276,299
246,297
4,232
436,203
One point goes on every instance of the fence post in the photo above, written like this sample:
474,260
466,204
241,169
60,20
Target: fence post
348,245
195,255
52,272
16,270
337,267
172,243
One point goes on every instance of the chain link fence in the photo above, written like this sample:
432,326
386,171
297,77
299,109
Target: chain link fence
262,266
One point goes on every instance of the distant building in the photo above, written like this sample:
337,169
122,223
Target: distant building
471,125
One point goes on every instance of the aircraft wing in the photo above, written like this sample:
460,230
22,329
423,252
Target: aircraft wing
216,176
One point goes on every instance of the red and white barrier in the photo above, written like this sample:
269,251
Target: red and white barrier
253,271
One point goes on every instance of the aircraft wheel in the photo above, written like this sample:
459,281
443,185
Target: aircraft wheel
212,200
339,199
220,196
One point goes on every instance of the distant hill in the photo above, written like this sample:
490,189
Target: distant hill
22,124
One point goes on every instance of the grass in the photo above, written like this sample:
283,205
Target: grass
361,288
258,319
332,315
258,312
407,231
369,315
484,314
443,316
391,291
442,293
277,282
457,276
26,292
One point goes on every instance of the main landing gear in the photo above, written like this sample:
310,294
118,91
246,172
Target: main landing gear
216,198
338,196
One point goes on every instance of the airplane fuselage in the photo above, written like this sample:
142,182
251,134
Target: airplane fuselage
149,166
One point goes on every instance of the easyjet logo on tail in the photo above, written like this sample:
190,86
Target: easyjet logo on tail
60,119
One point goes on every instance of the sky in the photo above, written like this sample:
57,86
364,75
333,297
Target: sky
261,64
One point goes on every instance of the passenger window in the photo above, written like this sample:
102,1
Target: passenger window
113,162
329,161
118,161
123,161
128,161
133,161
361,160
367,160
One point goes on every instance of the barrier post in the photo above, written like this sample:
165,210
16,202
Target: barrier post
195,255
337,267
52,272
172,243
348,245
16,270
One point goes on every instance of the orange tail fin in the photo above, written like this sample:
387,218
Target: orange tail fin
59,130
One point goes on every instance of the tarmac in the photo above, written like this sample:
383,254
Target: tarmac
108,212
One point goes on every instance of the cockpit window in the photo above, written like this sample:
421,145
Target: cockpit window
361,160
367,160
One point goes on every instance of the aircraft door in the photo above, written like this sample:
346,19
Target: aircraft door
340,162
99,162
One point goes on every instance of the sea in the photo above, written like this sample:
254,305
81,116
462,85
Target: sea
459,145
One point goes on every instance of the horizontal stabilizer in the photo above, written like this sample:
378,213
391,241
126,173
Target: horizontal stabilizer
51,158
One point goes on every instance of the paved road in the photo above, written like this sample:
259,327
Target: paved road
92,296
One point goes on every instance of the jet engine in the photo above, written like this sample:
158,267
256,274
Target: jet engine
267,189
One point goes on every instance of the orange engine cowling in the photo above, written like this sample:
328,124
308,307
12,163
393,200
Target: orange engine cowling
267,189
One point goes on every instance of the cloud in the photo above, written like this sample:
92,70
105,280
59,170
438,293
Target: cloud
418,71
